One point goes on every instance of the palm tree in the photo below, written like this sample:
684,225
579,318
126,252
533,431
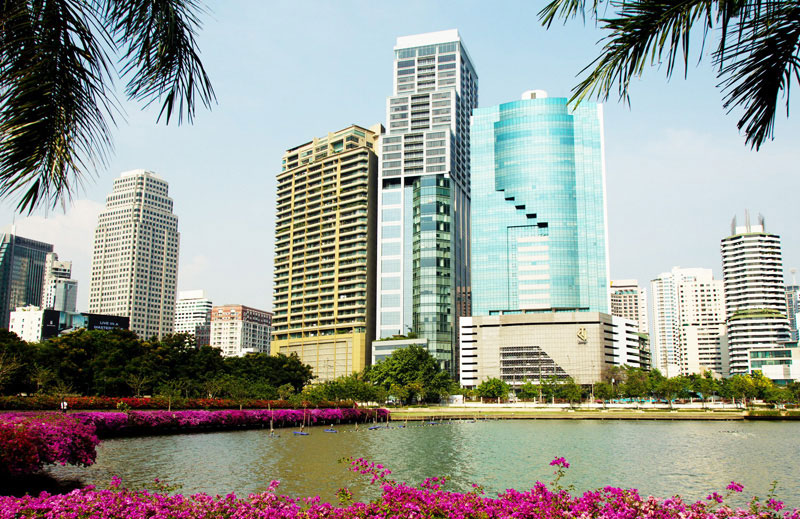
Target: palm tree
756,54
58,60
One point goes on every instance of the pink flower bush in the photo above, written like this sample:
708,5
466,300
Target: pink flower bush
30,441
399,500
111,424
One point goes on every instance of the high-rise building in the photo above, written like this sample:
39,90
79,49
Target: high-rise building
701,317
238,330
538,207
629,300
688,322
755,295
793,309
325,251
424,199
59,291
22,262
540,298
135,258
193,316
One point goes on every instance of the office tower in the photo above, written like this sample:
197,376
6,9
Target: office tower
135,258
193,316
325,252
59,291
22,263
424,200
540,298
238,330
688,322
538,207
755,296
793,310
629,300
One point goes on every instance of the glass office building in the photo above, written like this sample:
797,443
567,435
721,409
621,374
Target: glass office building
424,203
22,263
538,204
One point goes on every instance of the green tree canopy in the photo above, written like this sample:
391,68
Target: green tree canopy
493,388
414,369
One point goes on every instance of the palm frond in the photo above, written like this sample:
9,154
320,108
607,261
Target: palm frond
53,99
644,33
161,54
760,65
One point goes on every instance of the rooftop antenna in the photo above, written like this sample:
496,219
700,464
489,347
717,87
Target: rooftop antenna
733,225
794,276
747,220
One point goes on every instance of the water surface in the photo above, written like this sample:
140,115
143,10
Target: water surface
658,458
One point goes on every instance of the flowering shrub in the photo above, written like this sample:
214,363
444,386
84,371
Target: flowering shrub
49,402
111,424
427,500
29,441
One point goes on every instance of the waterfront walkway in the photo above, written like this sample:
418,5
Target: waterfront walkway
565,412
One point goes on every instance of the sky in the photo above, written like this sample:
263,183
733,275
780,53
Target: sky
284,72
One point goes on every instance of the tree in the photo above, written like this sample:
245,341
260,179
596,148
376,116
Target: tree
603,391
414,369
8,366
56,64
493,388
570,391
756,54
529,390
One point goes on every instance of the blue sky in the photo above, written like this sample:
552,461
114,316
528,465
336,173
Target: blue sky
284,72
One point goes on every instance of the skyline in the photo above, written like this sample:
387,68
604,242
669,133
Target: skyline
236,149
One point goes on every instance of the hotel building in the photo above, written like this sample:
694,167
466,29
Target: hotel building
325,251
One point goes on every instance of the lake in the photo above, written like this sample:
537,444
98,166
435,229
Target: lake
660,458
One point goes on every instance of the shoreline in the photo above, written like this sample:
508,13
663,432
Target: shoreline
521,413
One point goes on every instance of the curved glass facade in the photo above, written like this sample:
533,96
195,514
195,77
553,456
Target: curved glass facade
538,208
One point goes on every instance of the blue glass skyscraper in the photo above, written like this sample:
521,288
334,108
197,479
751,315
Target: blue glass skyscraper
539,237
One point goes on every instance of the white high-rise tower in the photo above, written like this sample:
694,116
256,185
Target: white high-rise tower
755,296
135,259
424,201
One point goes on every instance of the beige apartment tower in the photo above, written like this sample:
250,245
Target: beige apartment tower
135,257
325,252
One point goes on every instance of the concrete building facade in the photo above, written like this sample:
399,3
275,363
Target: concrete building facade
755,295
238,330
688,322
135,257
325,252
629,301
193,316
424,193
59,290
537,346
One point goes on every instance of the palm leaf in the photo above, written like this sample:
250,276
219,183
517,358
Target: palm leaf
161,53
53,100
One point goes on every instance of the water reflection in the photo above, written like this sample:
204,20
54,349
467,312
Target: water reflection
658,458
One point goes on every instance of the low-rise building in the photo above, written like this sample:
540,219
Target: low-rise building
781,364
520,347
238,330
33,324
